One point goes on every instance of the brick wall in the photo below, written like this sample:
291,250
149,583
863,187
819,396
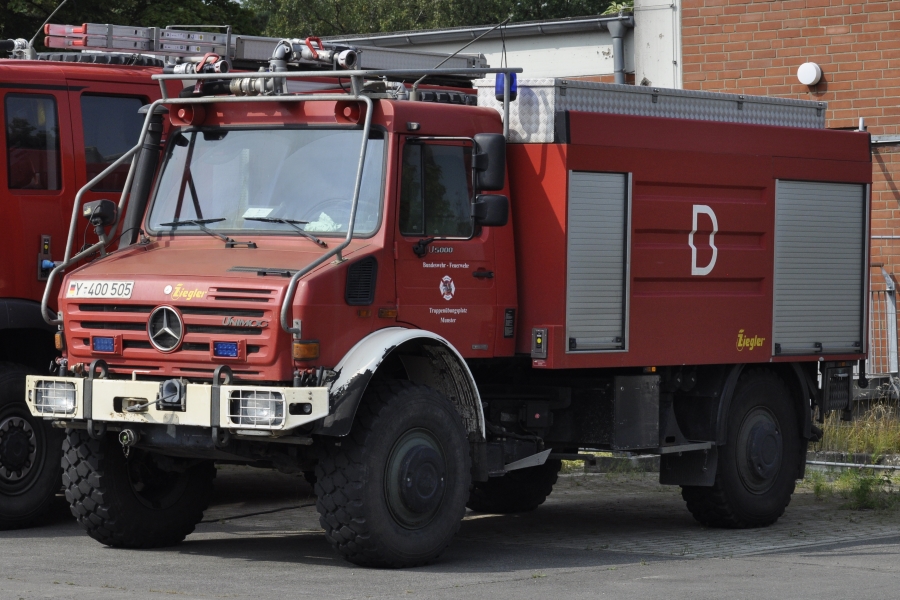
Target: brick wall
756,46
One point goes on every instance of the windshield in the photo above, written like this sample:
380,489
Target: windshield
305,176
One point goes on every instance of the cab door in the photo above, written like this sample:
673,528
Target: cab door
105,125
445,263
39,181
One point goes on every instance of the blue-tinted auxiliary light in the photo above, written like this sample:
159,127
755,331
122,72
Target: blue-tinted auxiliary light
104,344
226,349
513,87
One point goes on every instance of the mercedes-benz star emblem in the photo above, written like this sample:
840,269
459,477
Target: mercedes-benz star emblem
165,328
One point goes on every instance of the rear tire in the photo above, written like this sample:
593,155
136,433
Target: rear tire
130,502
522,490
30,451
393,492
759,464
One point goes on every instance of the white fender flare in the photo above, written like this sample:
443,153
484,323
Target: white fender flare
356,369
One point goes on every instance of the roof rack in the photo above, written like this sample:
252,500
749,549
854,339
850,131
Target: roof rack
190,43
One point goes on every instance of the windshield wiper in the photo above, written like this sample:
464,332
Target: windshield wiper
293,224
201,223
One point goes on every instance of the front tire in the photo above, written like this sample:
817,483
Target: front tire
30,451
131,502
393,492
759,464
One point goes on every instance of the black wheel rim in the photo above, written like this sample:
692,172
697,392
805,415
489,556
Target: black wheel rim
760,450
21,452
415,479
153,487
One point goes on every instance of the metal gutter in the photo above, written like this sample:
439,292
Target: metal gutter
463,34
881,140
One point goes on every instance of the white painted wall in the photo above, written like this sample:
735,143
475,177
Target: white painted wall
657,43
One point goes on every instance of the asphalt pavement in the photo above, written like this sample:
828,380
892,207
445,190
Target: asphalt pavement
597,536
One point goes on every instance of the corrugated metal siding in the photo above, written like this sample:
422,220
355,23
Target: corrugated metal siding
819,256
595,283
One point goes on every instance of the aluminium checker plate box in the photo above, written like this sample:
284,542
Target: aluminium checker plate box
533,115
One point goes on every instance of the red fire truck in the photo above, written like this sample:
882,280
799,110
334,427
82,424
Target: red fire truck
431,298
64,122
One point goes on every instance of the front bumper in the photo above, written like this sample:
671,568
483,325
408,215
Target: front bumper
241,409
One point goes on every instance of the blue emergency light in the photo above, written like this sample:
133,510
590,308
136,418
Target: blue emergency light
104,344
225,349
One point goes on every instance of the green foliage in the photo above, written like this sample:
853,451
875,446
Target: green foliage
21,18
875,431
620,7
300,18
860,489
295,18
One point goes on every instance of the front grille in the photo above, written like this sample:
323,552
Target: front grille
116,308
203,322
220,329
114,325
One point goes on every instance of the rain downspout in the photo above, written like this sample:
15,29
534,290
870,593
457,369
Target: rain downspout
617,31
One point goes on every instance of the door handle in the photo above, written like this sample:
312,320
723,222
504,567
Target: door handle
483,274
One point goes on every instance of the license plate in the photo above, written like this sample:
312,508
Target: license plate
100,289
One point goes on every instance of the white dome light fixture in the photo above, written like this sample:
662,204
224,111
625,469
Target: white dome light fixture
809,73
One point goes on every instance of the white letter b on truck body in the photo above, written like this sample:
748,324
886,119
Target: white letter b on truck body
695,270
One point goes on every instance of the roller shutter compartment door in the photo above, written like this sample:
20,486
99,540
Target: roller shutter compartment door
820,255
597,261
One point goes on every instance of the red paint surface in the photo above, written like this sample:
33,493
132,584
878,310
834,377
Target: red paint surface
675,318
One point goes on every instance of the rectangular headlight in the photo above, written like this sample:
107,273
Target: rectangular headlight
256,408
54,397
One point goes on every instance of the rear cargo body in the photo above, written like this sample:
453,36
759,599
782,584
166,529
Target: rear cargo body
605,223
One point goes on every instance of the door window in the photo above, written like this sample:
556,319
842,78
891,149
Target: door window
32,142
436,191
111,126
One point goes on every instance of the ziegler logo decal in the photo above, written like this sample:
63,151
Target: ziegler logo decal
179,293
236,322
748,342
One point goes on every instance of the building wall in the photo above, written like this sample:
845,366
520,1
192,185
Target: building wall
756,46
657,43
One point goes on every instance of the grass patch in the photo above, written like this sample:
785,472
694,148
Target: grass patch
874,430
859,489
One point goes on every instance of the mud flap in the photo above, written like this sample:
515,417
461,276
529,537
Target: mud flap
695,468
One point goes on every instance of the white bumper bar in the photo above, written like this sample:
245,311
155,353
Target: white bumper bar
238,407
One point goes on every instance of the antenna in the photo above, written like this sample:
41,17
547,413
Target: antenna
414,94
30,54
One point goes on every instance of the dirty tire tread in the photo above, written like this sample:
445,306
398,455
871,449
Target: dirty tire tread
341,476
517,491
96,505
40,496
713,506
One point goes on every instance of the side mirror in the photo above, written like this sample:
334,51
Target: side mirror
491,210
490,161
101,213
